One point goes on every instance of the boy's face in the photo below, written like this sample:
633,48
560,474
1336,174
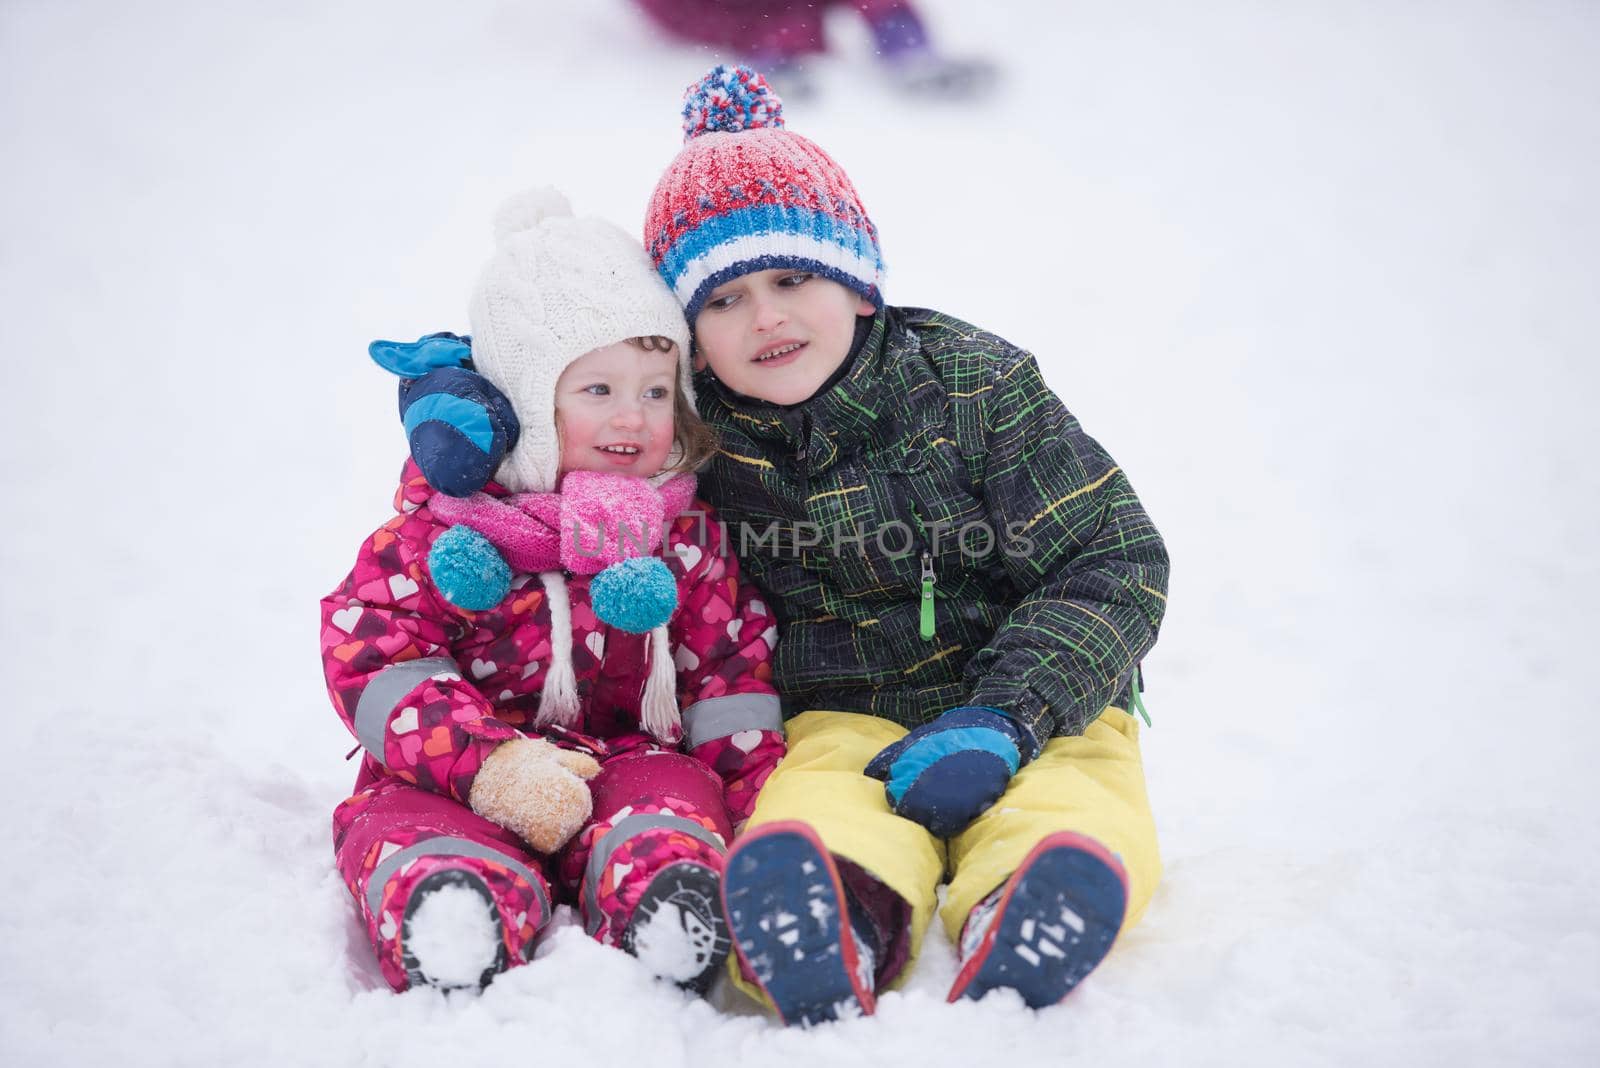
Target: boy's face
614,410
777,335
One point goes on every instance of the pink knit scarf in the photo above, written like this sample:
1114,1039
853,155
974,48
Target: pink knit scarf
593,521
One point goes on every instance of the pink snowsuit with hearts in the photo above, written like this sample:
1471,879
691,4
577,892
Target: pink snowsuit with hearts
429,689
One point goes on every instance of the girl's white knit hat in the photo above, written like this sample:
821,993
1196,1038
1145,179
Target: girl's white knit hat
558,287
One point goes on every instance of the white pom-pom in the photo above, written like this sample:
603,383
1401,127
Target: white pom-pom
528,209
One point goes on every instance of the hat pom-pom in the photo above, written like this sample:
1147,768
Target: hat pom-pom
730,99
528,209
636,595
468,570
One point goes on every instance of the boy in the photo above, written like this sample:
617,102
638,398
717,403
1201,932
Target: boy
965,585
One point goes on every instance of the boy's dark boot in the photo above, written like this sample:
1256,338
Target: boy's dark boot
791,926
1047,927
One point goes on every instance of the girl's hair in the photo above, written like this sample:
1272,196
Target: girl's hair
695,442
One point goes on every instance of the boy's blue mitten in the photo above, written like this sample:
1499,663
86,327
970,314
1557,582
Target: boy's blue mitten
458,424
460,427
946,773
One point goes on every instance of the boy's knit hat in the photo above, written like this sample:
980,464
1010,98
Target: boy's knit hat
556,288
744,194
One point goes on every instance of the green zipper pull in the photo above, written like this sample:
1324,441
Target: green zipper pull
1138,702
927,595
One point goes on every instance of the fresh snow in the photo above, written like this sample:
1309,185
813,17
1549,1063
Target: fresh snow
1320,275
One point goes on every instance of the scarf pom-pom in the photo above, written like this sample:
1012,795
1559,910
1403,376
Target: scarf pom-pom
468,570
635,595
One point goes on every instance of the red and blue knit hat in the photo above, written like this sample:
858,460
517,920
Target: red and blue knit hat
747,195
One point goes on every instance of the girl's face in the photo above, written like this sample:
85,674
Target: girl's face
614,410
778,335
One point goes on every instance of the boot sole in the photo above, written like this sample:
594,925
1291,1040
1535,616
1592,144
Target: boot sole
1058,918
439,879
786,909
691,885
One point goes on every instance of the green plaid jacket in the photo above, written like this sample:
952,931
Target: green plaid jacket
942,450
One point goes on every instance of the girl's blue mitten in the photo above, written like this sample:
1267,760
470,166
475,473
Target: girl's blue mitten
946,773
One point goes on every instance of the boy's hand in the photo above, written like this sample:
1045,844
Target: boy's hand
536,790
946,773
459,426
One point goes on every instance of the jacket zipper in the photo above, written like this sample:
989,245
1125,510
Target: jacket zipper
800,457
927,595
926,620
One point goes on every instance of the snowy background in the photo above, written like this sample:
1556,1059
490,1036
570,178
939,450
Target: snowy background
1314,273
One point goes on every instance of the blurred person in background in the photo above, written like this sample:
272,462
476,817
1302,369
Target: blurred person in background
783,38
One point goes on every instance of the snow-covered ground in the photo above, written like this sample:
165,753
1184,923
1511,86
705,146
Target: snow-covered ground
1321,276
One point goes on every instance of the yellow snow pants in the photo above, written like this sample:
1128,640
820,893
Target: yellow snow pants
1092,784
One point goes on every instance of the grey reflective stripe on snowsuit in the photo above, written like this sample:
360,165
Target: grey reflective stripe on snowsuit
444,846
385,692
718,717
626,828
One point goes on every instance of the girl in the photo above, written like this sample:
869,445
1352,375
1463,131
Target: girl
517,744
